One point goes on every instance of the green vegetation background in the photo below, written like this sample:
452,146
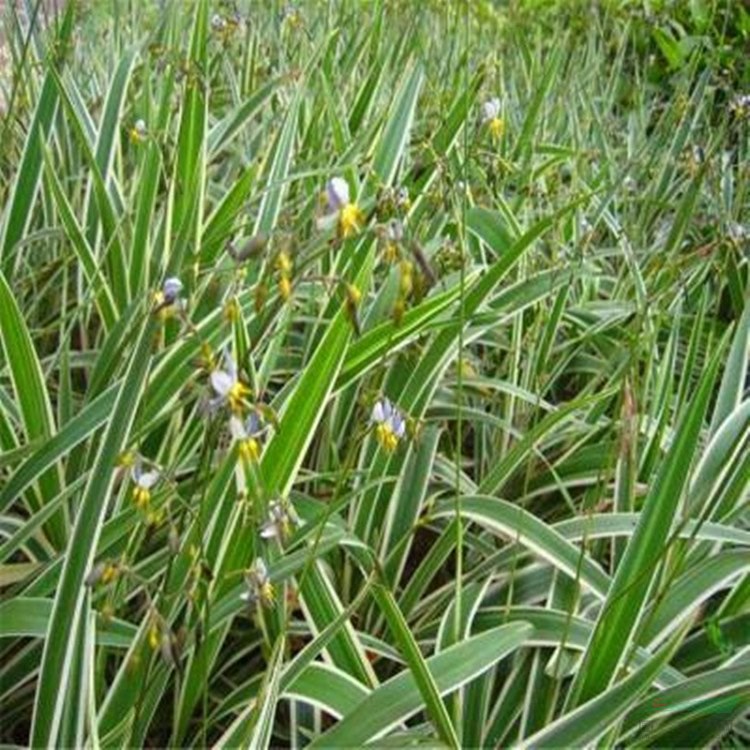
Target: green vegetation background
552,289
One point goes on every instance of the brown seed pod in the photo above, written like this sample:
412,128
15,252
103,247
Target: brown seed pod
423,263
170,650
250,248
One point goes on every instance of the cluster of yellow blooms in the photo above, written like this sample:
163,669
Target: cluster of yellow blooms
245,423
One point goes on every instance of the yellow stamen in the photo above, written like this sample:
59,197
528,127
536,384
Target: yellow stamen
153,636
351,220
284,263
267,594
141,496
390,254
386,437
353,294
166,313
285,288
237,395
109,573
249,449
496,126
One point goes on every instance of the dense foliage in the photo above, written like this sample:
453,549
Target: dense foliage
375,372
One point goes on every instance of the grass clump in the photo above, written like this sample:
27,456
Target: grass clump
375,372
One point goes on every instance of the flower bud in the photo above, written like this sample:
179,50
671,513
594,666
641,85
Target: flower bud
109,573
231,310
171,289
398,311
169,651
406,283
252,248
95,575
353,298
154,639
284,263
260,297
173,540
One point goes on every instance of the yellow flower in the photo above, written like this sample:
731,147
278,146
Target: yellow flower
250,449
267,594
390,426
259,587
139,132
351,220
347,213
491,117
496,126
141,496
144,481
237,394
386,437
228,387
248,435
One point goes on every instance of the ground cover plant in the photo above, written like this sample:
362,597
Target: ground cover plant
375,373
